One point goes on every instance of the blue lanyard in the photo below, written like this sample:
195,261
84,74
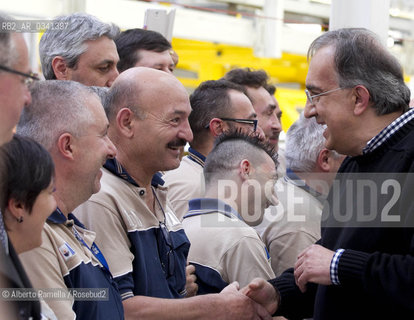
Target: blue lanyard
94,249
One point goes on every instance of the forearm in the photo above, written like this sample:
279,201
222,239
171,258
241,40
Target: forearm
199,307
379,274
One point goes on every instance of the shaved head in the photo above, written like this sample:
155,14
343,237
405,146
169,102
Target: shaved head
139,89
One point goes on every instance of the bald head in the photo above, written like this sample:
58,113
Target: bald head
140,89
148,113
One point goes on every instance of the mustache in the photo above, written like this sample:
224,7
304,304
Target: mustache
177,143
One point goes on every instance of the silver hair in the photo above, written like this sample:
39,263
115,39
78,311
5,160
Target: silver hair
57,107
101,92
69,42
361,59
304,142
8,53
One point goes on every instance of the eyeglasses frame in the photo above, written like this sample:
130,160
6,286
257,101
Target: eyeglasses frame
29,77
244,121
310,98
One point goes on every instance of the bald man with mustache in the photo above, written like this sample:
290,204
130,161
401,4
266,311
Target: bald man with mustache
142,239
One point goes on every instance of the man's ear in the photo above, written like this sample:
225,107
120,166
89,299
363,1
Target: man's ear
60,68
245,168
322,160
125,121
362,99
216,127
66,146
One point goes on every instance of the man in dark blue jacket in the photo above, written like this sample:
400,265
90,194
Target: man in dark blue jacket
362,266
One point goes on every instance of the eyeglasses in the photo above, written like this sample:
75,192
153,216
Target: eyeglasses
310,98
252,122
29,77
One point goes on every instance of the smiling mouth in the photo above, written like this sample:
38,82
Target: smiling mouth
175,151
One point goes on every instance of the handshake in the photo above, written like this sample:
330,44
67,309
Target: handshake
258,300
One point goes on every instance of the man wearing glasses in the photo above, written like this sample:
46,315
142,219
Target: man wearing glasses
15,76
217,106
261,94
266,107
362,266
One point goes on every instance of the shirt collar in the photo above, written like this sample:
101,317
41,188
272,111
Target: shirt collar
117,169
59,218
196,156
294,179
209,205
388,131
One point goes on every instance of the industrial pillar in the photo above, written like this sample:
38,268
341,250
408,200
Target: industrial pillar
371,14
269,30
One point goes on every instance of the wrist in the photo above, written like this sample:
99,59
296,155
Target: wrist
333,270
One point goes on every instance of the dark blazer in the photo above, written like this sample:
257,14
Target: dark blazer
14,276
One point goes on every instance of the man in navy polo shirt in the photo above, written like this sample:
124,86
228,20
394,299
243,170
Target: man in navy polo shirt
142,239
68,119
